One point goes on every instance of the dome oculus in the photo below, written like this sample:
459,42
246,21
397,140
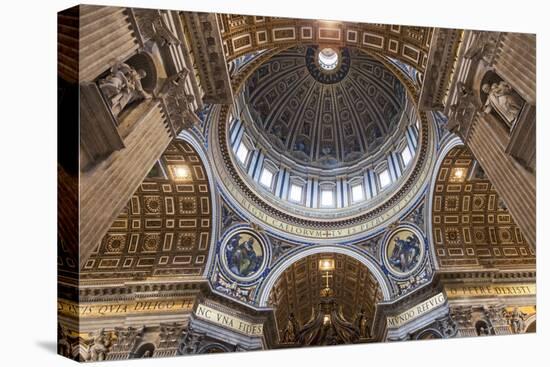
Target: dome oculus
328,58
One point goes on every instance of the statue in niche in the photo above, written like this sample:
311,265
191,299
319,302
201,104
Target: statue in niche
147,354
502,98
100,346
516,319
483,328
291,331
361,323
123,86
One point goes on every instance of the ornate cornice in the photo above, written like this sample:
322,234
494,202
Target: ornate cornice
207,48
442,62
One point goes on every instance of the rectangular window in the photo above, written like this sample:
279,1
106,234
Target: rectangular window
266,178
327,198
406,156
384,178
242,153
357,193
295,193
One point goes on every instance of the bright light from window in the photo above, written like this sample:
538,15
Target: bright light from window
326,264
458,174
406,156
242,153
266,178
328,58
385,179
357,193
327,198
181,172
295,193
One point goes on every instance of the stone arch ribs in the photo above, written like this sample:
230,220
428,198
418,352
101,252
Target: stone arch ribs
329,108
165,229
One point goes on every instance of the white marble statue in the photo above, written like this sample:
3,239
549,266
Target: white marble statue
122,86
502,98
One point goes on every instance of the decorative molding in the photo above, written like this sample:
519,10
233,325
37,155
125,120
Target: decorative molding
207,48
441,65
412,42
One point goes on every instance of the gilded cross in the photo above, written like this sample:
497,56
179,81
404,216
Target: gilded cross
327,276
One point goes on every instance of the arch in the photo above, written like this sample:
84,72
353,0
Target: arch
145,350
483,328
213,348
146,62
429,334
449,144
191,138
274,274
531,324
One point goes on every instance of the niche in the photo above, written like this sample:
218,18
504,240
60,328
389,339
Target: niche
500,100
144,351
483,328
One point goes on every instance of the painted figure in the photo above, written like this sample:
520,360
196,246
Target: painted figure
405,253
243,256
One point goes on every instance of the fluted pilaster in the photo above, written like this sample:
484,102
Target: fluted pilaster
105,189
513,182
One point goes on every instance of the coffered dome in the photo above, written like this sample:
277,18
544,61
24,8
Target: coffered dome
319,137
325,107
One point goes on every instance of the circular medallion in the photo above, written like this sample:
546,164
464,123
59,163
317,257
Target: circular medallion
244,254
403,250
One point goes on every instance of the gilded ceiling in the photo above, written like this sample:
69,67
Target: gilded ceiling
298,289
164,230
472,226
242,34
